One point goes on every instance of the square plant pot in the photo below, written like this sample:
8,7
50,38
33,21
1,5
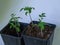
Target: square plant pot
10,39
29,40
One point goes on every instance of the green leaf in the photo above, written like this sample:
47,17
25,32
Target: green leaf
27,10
43,15
33,8
21,9
12,15
40,15
11,19
16,17
18,24
41,25
11,26
17,29
30,10
26,13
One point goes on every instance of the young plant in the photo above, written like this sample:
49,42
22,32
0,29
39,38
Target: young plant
41,23
15,24
28,11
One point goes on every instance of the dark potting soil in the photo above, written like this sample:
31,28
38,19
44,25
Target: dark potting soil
9,31
35,31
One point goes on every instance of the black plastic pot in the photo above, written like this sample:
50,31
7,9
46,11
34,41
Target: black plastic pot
12,40
37,41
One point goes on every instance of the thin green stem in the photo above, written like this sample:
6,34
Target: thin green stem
41,33
31,19
41,28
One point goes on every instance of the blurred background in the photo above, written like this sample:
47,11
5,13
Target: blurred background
50,7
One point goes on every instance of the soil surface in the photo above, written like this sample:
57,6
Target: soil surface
35,31
9,31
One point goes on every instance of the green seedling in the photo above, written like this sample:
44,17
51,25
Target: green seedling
15,24
28,11
41,23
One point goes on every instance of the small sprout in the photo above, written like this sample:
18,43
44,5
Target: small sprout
27,10
14,24
41,23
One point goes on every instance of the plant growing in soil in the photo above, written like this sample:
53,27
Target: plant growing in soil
28,11
41,23
15,25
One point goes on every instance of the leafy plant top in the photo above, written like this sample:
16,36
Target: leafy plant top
41,23
15,24
27,10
